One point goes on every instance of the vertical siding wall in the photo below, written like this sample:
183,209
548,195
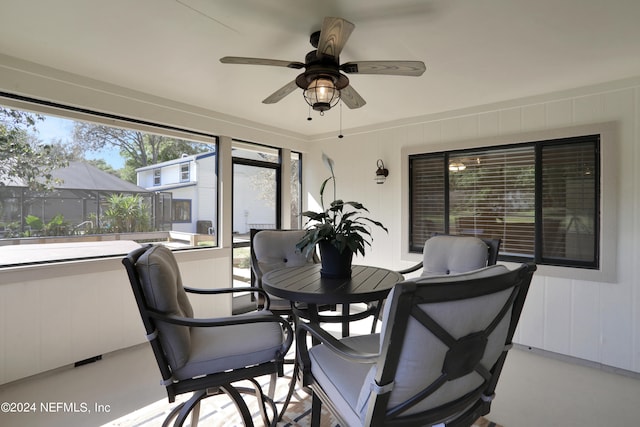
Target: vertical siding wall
58,314
595,321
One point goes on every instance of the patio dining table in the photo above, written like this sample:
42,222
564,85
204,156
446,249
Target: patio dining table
305,284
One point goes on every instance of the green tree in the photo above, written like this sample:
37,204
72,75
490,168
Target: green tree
23,158
127,213
138,148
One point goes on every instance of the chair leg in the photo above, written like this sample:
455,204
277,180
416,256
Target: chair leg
374,324
272,385
239,402
316,408
190,407
376,315
174,412
292,388
195,414
262,404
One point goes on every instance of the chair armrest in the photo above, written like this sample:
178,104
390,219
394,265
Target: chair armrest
216,321
261,291
332,343
228,321
336,345
411,269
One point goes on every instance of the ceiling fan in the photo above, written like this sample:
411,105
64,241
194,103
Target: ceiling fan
323,81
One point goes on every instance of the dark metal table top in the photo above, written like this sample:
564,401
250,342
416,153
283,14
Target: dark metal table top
304,284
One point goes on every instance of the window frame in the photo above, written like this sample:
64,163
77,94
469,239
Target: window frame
49,108
608,184
271,165
183,172
174,204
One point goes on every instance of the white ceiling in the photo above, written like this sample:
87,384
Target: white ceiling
476,51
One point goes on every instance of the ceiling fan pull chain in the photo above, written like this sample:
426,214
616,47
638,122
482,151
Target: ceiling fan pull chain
340,135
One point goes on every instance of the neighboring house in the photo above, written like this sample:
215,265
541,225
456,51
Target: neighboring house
80,191
191,181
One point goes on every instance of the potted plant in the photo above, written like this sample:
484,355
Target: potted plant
340,230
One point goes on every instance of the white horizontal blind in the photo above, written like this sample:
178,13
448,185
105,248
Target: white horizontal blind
427,183
570,206
492,195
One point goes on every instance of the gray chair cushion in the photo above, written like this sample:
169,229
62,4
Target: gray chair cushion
453,255
342,379
277,249
243,345
162,286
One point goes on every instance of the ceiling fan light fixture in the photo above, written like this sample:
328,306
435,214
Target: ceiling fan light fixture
322,94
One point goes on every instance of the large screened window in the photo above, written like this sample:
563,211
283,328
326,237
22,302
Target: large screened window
541,199
75,185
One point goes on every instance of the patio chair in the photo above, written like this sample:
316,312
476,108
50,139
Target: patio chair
204,356
438,357
448,254
272,249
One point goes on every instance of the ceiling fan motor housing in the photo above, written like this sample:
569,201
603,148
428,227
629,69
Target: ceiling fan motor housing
316,68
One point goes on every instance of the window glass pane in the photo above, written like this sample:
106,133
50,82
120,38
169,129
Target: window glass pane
255,202
296,190
427,183
182,212
245,150
184,172
570,205
254,198
69,183
492,195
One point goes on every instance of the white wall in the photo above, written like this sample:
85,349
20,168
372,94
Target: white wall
593,320
57,314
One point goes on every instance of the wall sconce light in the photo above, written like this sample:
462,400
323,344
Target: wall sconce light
381,173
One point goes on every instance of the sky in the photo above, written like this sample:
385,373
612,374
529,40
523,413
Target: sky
57,128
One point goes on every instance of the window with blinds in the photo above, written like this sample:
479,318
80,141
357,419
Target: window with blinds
427,199
541,199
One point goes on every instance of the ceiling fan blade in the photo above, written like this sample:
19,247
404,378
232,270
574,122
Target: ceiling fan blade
333,36
393,68
261,61
351,98
281,93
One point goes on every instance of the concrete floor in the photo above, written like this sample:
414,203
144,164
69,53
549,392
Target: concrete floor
534,390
